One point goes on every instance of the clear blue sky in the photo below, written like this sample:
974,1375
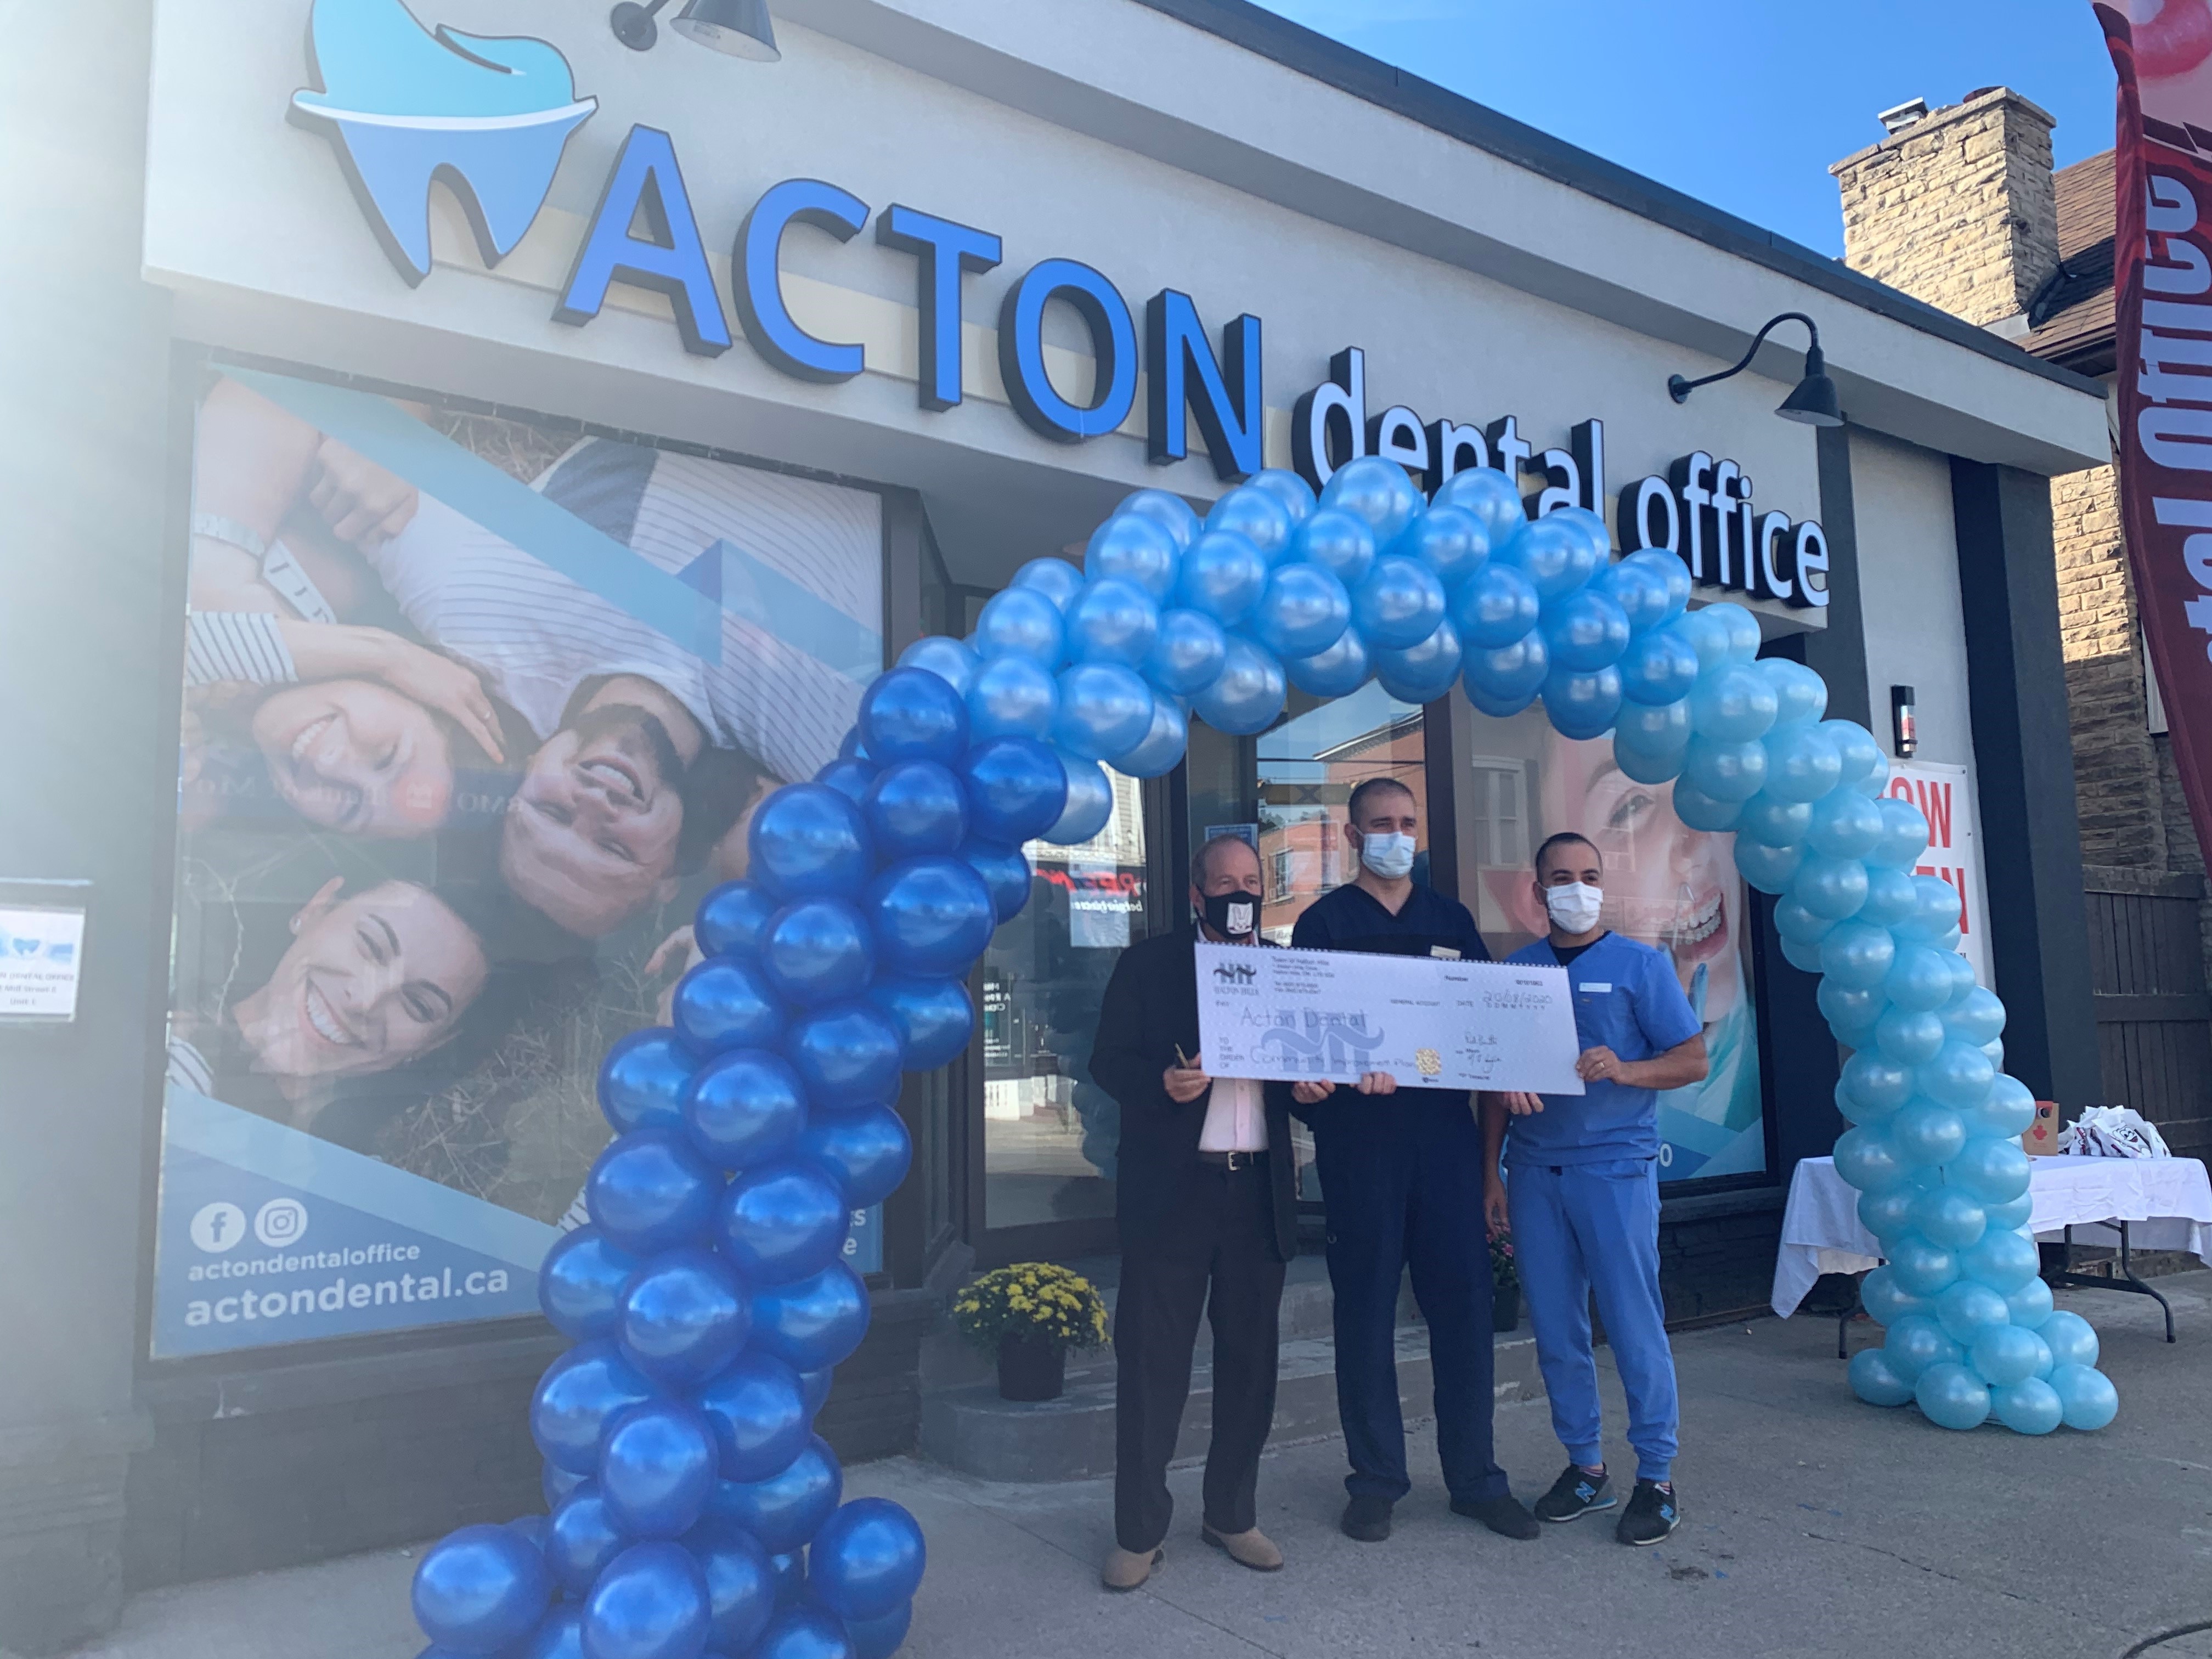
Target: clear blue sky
1741,103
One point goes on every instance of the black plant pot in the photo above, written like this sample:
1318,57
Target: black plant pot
1030,1368
1505,1307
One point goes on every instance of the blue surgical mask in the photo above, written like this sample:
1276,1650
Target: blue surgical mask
1389,856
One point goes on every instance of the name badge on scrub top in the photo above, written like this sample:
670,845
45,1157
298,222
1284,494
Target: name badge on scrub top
1445,952
1591,986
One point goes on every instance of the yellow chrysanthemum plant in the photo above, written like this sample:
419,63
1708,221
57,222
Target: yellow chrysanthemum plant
1032,1299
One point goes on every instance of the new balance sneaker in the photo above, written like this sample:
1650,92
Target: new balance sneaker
1650,1516
1575,1494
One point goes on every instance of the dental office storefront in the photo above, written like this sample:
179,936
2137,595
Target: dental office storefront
521,450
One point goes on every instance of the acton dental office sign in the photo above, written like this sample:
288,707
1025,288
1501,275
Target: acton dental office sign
405,107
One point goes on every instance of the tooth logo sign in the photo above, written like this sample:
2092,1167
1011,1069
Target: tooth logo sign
403,106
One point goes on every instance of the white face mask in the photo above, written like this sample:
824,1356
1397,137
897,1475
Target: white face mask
1573,907
1389,856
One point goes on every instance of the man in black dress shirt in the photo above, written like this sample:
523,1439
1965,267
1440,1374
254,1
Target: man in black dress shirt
1208,1220
1402,1173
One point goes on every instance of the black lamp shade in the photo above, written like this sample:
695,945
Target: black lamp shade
1814,403
739,28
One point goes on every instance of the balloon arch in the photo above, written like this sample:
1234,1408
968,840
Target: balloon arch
694,1511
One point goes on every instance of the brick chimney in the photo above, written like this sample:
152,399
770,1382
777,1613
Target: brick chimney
1955,206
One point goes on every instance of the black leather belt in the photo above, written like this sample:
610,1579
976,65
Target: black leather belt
1232,1161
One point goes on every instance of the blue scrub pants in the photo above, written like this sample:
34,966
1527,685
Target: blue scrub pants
1580,1227
1402,1179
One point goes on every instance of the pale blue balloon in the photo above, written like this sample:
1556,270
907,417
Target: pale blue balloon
1249,693
1734,704
1995,1171
1658,668
1257,513
2007,1356
1336,672
1222,575
1505,680
2071,1339
1586,631
1011,697
1886,1302
1857,955
1112,620
1904,835
2030,1407
1494,607
1699,811
2029,1305
1952,1397
1339,542
1834,888
1449,540
1708,636
948,659
1020,622
2007,1111
1802,763
1056,579
1769,869
1906,1038
1650,741
1866,1159
1491,496
1723,769
1864,768
1806,958
1890,898
1105,709
1888,1213
2087,1399
1421,673
1875,1381
1162,746
1090,801
1302,610
1936,910
1916,1342
1968,1307
1777,822
1844,825
1187,654
2004,1261
1917,978
1743,636
1292,491
1958,1075
1399,603
1948,1217
1851,1012
1793,920
1799,693
1141,546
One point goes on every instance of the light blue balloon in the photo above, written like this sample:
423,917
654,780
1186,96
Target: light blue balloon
1421,673
2030,1305
1450,540
1020,622
1658,668
1769,869
1651,587
1708,636
1138,547
1336,672
1171,513
1586,631
1743,636
1725,770
1302,610
1975,1016
1952,1397
1249,693
1800,694
1557,556
1505,680
1187,654
1917,978
2007,1110
1494,607
1292,491
1650,742
1732,705
1834,888
1916,1342
1969,1307
1957,1075
2007,1356
1948,1217
1802,763
1806,958
1699,811
1857,955
1886,1302
2004,1259
1491,496
1793,920
1379,491
1258,515
1865,1159
1844,825
1112,620
1222,575
1890,897
1090,801
1995,1171
1904,835
1864,768
2087,1399
948,659
1056,579
1105,710
1339,542
1851,1012
1875,1381
1398,604
1936,910
2030,1407
1161,747
2070,1338
1876,1085
1888,1214
1582,706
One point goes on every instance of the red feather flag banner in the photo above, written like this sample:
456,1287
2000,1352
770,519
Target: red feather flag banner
2162,280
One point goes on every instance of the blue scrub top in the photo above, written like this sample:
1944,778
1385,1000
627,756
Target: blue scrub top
1627,999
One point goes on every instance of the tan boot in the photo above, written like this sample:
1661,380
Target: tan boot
1253,1549
1126,1569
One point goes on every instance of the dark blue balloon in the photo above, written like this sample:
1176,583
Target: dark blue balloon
533,1529
788,1508
730,918
641,1079
649,1191
740,1585
481,1589
811,1322
850,747
916,807
723,1004
782,1222
1017,789
656,1467
817,951
849,778
580,1392
757,1407
555,1483
807,839
650,1603
911,714
803,1632
880,1638
815,1386
867,1558
684,1316
934,1019
931,917
1006,871
559,1635
581,1284
744,1108
868,1152
790,1578
1497,606
581,1540
847,1056
1399,603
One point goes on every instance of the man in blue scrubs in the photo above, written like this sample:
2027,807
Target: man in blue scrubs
1402,1172
1582,1203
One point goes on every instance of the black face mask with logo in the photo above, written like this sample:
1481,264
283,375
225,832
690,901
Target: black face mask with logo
1233,915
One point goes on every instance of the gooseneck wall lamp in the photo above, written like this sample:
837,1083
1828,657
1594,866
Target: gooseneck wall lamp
1813,403
739,28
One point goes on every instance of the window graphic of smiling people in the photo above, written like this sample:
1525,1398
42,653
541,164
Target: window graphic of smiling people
1675,888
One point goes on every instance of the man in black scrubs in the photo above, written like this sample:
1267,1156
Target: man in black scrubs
1401,1174
1208,1219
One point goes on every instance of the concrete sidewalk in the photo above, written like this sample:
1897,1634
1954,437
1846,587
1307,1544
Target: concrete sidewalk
1814,1526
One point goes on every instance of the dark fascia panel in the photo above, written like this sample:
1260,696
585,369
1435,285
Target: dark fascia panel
1320,58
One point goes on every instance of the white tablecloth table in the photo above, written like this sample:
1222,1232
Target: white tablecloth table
2165,1201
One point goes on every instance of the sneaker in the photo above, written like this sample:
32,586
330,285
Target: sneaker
1650,1516
1367,1519
1503,1516
1575,1494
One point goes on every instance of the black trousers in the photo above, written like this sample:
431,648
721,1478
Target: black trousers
1221,1258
